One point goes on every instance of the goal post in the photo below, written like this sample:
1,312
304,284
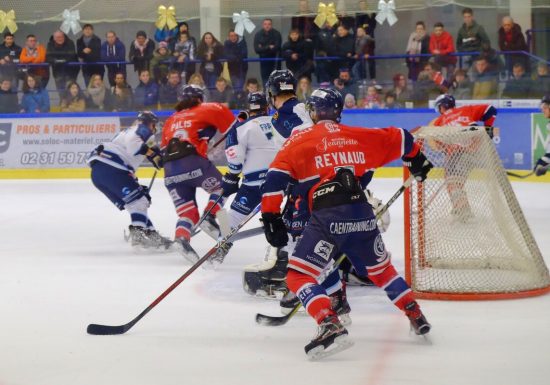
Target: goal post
466,237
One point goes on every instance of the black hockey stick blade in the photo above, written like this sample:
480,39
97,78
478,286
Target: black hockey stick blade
510,173
106,330
268,320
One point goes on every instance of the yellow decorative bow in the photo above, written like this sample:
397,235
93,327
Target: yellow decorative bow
326,13
167,17
8,20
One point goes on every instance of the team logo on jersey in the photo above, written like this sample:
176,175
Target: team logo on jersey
5,136
326,143
332,127
244,201
379,248
126,191
210,184
323,249
230,153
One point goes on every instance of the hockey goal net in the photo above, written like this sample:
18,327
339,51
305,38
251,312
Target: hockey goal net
465,234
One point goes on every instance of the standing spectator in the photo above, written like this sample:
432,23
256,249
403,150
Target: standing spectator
9,58
35,53
303,22
461,87
322,47
88,49
235,51
343,46
183,27
364,20
267,44
519,84
419,43
35,98
541,81
8,98
349,102
113,50
402,93
161,62
141,51
121,92
210,51
98,97
73,100
510,38
168,93
184,54
222,93
485,80
390,101
441,45
146,94
303,90
295,55
59,53
364,48
240,97
471,36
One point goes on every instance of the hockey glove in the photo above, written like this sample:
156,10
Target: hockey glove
230,184
418,165
542,165
384,221
155,157
275,229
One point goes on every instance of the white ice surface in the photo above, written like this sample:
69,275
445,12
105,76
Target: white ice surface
64,264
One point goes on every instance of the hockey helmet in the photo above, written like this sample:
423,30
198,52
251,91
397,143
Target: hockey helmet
280,81
190,94
257,102
545,99
445,100
325,104
147,117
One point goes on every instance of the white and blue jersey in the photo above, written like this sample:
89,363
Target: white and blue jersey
291,116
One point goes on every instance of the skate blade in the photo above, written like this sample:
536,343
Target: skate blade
345,319
340,343
211,231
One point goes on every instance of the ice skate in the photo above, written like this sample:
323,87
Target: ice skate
156,240
331,338
210,226
187,251
288,302
138,237
219,255
268,278
339,303
419,324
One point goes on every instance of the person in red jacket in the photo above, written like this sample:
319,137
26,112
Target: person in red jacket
441,45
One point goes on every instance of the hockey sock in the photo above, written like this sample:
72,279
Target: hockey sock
188,216
332,283
138,211
211,200
312,295
394,285
149,225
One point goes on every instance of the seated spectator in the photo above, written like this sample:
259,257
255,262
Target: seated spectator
434,70
344,82
168,93
349,102
197,80
222,93
304,89
8,98
419,43
441,45
88,50
9,58
402,93
390,101
541,83
240,97
471,37
60,52
161,62
342,46
461,87
210,51
113,50
146,94
141,51
424,89
73,100
485,80
184,52
35,53
364,48
235,51
493,58
296,53
98,97
510,38
372,99
35,98
519,85
121,92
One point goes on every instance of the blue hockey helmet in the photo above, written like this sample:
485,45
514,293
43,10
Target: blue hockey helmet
190,95
257,102
445,100
325,104
280,81
147,117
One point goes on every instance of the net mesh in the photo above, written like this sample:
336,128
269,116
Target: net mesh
468,233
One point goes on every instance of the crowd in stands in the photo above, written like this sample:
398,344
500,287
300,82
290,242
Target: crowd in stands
338,56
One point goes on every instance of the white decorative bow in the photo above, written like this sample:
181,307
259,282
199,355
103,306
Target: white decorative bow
70,22
243,22
386,11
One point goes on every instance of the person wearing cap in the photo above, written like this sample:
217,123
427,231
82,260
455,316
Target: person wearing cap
141,51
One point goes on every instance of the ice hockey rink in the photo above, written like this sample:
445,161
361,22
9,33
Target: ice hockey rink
65,264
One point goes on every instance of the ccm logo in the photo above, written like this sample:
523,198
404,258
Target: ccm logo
323,191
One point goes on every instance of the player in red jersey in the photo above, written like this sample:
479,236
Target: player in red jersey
185,137
327,162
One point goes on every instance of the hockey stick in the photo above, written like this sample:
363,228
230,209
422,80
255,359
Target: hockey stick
267,320
205,214
121,329
152,180
509,173
248,233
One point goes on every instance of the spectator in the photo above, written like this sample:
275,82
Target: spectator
364,48
510,38
345,83
235,51
441,45
372,99
121,94
197,80
541,83
519,85
146,94
210,51
295,53
390,101
168,93
485,80
98,97
88,50
419,43
73,100
304,89
364,20
8,98
402,93
437,77
471,36
59,53
9,58
141,51
303,22
35,53
183,27
113,50
240,98
184,53
461,87
349,102
424,89
161,62
343,46
322,47
35,98
267,44
222,93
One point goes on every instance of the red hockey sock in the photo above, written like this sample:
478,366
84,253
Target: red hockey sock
313,296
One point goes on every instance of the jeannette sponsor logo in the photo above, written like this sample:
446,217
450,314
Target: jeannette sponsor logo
326,143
